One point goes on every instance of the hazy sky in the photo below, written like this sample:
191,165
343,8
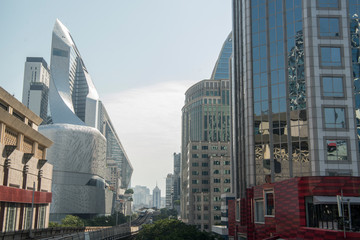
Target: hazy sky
142,56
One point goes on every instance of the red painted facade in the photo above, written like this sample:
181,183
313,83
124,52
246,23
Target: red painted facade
16,195
289,221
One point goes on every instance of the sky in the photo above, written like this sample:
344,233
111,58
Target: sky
142,56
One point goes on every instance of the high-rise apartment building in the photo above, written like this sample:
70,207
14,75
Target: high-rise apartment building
156,197
141,197
177,172
169,193
295,111
205,145
36,86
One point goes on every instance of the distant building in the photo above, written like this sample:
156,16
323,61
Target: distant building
169,195
156,198
36,86
176,176
205,152
142,197
23,166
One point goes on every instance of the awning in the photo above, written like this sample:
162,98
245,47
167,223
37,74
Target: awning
332,200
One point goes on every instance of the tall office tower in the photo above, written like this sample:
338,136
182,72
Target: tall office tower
36,86
296,104
169,193
84,138
205,145
156,197
177,171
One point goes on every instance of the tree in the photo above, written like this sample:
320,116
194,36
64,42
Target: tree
166,213
72,221
129,191
106,220
172,230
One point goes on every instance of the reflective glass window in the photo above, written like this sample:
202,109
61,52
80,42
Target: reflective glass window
328,3
259,211
330,56
337,150
269,204
334,117
329,27
332,86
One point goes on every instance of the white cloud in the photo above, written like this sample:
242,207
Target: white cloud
148,123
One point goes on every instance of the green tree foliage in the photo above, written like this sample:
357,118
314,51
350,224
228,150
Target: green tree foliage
54,224
165,214
72,221
129,191
177,202
106,220
172,230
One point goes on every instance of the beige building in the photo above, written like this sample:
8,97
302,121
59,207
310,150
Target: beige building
23,165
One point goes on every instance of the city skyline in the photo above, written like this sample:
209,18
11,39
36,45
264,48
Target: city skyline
148,52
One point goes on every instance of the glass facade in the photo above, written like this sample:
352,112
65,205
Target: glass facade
278,75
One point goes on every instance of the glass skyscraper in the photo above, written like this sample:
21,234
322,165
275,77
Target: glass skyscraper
295,93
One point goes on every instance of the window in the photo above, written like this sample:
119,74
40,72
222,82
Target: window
42,216
226,189
198,198
259,210
216,171
226,163
334,117
217,199
329,27
206,207
337,150
205,181
216,180
199,207
226,171
195,155
217,217
216,189
205,173
206,198
195,190
330,57
195,147
332,86
204,147
195,172
269,204
227,180
214,147
205,164
217,208
204,155
216,162
195,164
328,3
205,190
27,217
223,147
195,181
60,53
10,217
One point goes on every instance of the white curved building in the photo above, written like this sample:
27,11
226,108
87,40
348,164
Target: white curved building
83,135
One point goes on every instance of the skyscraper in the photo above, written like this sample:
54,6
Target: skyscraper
156,197
84,137
36,86
206,145
169,194
177,172
295,103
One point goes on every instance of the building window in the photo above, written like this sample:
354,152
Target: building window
27,217
226,171
195,155
195,190
329,27
195,172
10,217
330,57
259,211
334,117
205,164
216,180
237,217
194,181
204,155
226,163
216,189
217,208
195,147
204,147
217,199
216,171
42,211
205,181
195,164
269,204
226,190
328,4
227,180
205,173
337,150
332,86
216,162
